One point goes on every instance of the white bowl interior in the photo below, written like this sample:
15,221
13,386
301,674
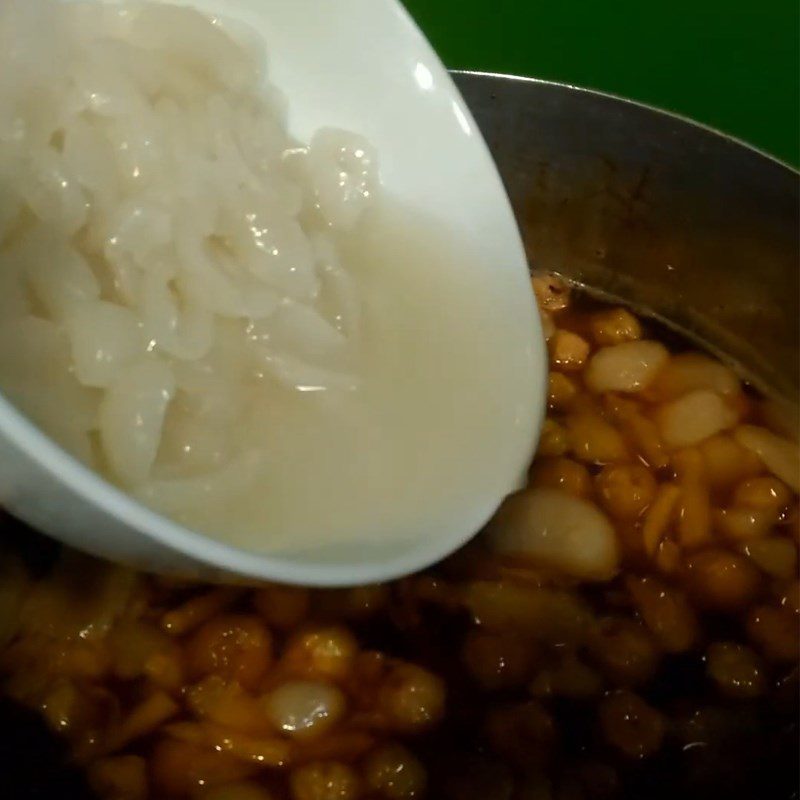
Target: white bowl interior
361,65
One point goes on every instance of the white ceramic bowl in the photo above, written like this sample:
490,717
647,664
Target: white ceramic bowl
365,66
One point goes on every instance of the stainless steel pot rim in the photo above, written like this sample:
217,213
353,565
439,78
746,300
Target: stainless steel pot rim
638,103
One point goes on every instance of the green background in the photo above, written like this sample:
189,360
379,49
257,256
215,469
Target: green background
733,65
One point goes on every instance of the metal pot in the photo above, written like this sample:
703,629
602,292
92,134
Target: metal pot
677,219
682,221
